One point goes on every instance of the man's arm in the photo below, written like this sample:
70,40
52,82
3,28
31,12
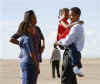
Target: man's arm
72,36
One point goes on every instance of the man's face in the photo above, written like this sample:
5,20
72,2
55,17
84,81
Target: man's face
73,16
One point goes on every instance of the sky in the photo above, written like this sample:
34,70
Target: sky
12,12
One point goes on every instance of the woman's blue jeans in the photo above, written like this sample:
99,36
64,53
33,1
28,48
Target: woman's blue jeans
29,75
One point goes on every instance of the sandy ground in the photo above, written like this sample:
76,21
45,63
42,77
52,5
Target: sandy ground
10,72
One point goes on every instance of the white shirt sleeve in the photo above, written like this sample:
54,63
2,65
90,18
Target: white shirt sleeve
71,37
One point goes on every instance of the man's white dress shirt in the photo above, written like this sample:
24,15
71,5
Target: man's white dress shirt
76,36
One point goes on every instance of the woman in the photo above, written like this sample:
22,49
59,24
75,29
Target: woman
29,56
39,33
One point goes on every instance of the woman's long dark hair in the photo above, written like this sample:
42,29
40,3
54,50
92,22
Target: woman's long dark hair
26,23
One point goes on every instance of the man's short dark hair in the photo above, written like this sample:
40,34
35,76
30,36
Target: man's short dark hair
76,10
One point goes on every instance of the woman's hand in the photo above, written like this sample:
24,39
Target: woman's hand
42,49
14,41
38,69
36,62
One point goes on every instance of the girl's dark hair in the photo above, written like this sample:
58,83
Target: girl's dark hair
60,13
63,10
76,10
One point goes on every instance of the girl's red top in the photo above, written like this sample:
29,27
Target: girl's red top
62,31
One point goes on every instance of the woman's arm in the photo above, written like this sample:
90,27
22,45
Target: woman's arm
31,49
14,38
42,40
14,41
35,61
42,46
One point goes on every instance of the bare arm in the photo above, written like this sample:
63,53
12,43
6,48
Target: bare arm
42,46
42,40
14,38
36,62
31,49
70,25
14,41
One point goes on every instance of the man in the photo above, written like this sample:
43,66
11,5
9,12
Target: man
76,37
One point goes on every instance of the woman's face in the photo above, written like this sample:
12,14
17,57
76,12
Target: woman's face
31,18
34,20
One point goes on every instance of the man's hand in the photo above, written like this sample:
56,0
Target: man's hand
60,46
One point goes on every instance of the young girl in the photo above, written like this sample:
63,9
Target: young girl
63,31
64,26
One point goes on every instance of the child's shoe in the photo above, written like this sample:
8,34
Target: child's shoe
77,71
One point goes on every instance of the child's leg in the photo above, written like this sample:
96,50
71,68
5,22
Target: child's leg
77,71
75,56
76,60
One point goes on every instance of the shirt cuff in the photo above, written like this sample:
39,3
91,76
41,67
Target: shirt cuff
63,42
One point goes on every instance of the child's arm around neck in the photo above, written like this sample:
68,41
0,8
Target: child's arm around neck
70,25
